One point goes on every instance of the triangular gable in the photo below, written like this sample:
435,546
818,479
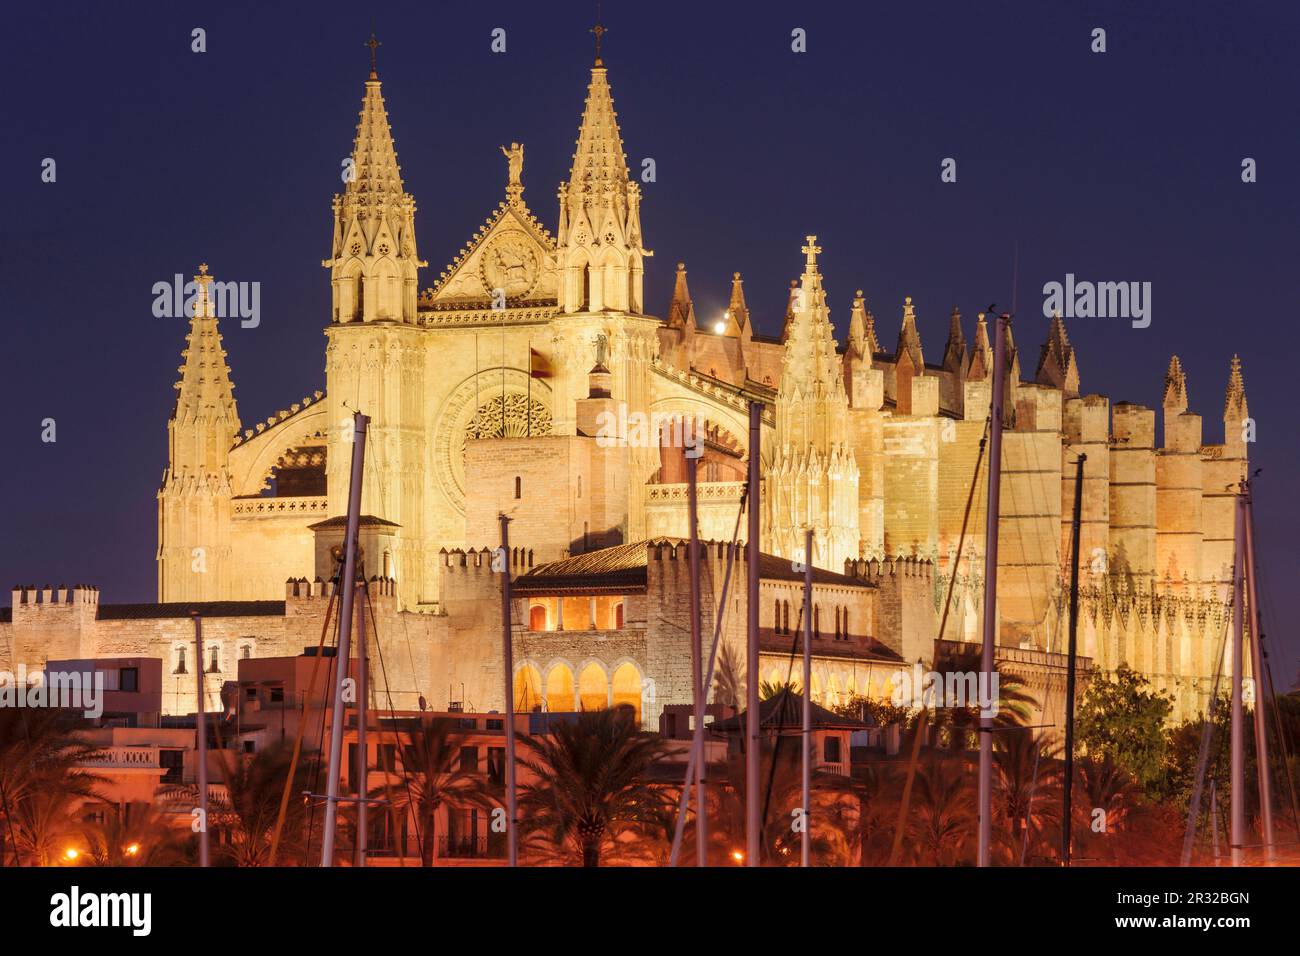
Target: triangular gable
511,251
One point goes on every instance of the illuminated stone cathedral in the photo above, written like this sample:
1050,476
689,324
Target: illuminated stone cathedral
490,389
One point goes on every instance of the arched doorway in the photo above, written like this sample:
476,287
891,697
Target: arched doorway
627,687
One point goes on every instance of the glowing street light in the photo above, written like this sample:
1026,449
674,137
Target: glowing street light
133,849
70,854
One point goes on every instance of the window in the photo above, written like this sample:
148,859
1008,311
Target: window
519,487
846,624
817,622
250,693
180,661
173,764
246,651
785,614
250,747
837,622
496,764
831,746
469,760
277,695
129,679
777,626
214,660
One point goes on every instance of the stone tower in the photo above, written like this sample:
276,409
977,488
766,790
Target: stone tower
194,553
374,360
812,476
600,260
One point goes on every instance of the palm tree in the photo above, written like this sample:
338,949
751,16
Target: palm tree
137,835
960,724
41,781
781,793
245,817
1101,784
729,681
591,787
1026,790
943,820
434,778
878,789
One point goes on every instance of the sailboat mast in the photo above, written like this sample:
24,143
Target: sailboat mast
692,452
991,585
1237,823
1257,668
805,849
508,672
347,590
1070,666
752,727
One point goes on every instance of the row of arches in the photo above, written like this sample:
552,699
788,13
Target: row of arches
593,687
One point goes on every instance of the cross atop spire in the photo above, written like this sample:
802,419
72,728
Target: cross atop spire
811,250
374,43
599,30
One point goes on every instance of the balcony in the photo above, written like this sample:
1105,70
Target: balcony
492,847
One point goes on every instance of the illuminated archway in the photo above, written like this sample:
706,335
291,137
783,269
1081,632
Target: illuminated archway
528,688
593,688
627,687
559,689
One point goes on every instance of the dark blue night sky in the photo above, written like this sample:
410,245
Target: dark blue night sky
1123,166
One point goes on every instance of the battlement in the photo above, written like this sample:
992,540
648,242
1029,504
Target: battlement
873,570
301,589
519,559
31,596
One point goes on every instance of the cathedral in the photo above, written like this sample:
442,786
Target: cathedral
491,388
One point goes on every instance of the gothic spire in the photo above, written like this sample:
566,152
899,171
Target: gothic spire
374,266
1057,364
600,212
205,419
681,311
599,162
1175,396
981,356
954,352
812,376
1234,403
376,177
909,340
737,315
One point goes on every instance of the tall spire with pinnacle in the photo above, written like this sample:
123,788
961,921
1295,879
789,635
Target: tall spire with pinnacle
194,498
813,473
681,310
862,330
601,256
374,266
679,347
737,314
1174,399
909,339
954,352
1234,402
1057,365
